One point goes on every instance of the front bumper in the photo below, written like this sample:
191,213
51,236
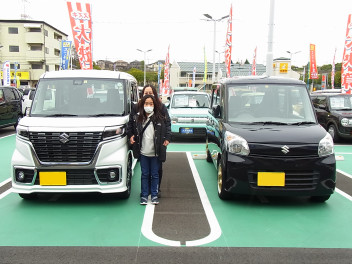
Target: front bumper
311,176
91,177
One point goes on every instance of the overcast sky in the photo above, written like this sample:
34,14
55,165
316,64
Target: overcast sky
122,26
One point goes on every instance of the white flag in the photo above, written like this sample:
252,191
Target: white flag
6,73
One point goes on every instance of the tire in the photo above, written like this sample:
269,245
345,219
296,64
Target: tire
126,194
28,196
222,193
209,159
320,199
333,132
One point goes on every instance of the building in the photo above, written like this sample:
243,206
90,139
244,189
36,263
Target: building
282,67
121,65
181,73
154,67
34,46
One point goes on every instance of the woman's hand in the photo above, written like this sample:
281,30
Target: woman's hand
166,142
132,140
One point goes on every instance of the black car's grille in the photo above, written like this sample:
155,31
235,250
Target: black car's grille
282,150
76,177
73,147
294,180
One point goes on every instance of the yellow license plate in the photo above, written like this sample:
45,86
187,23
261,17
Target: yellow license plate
52,178
271,179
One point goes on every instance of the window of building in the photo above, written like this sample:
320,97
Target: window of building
57,36
12,66
37,66
36,47
13,30
57,67
46,50
57,52
46,33
34,30
14,48
46,67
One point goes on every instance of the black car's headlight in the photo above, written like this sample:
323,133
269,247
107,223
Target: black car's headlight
113,132
236,144
22,132
326,146
346,122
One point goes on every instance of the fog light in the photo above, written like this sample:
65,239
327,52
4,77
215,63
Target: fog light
112,175
20,176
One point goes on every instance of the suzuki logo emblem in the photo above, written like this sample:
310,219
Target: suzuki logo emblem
285,149
64,138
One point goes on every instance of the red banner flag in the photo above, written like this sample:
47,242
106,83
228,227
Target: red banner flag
254,65
346,69
81,23
333,72
228,49
166,90
313,65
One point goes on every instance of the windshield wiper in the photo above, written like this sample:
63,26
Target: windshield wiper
60,115
269,123
98,115
303,123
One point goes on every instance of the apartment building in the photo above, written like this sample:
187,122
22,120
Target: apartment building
34,46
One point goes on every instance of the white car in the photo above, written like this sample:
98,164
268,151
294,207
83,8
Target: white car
72,141
188,112
28,95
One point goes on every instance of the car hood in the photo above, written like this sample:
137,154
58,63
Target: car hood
189,111
46,124
277,134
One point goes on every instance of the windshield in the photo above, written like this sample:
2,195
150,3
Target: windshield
341,102
78,97
268,103
190,100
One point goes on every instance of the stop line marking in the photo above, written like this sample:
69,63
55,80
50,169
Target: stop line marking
215,230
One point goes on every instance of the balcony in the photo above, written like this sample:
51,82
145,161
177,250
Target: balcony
35,37
35,56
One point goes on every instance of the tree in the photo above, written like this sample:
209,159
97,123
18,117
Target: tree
138,74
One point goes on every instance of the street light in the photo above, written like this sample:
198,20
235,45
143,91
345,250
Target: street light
210,18
145,69
291,54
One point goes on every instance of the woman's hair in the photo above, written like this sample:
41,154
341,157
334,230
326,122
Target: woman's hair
153,89
157,108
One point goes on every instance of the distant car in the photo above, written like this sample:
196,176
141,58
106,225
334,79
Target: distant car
334,113
10,106
28,95
264,139
188,112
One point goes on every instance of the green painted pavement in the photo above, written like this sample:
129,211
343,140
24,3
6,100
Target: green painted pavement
7,146
345,164
282,222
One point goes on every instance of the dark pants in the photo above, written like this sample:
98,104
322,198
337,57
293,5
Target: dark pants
150,176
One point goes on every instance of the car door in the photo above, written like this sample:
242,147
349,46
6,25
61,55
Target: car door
12,106
321,109
3,108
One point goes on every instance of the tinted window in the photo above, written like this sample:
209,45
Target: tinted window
9,94
269,102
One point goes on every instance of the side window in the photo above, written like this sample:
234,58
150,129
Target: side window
315,102
9,95
222,100
322,100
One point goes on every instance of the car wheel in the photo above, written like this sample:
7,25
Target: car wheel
209,159
28,196
222,193
333,133
320,199
126,194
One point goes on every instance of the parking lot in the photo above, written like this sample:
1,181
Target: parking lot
190,224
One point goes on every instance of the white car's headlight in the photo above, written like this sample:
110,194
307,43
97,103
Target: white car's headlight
236,144
22,132
326,146
113,132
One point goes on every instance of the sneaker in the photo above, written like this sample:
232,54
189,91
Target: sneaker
144,201
155,200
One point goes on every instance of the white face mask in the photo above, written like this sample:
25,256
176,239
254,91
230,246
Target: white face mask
148,109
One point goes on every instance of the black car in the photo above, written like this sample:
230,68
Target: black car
334,113
10,106
264,139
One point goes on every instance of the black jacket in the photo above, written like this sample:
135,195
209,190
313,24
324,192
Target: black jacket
160,135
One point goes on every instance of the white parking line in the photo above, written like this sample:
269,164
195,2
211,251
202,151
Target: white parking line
344,173
4,182
5,193
215,230
7,136
343,194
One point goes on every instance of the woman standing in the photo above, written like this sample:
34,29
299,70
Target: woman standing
148,136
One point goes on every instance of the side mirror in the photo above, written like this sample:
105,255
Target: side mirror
167,105
216,111
322,107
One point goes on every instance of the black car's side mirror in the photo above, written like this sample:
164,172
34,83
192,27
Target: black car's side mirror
216,111
322,107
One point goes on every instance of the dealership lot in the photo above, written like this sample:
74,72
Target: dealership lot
189,214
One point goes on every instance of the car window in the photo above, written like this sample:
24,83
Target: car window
9,94
2,97
340,102
31,95
268,103
190,100
79,97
